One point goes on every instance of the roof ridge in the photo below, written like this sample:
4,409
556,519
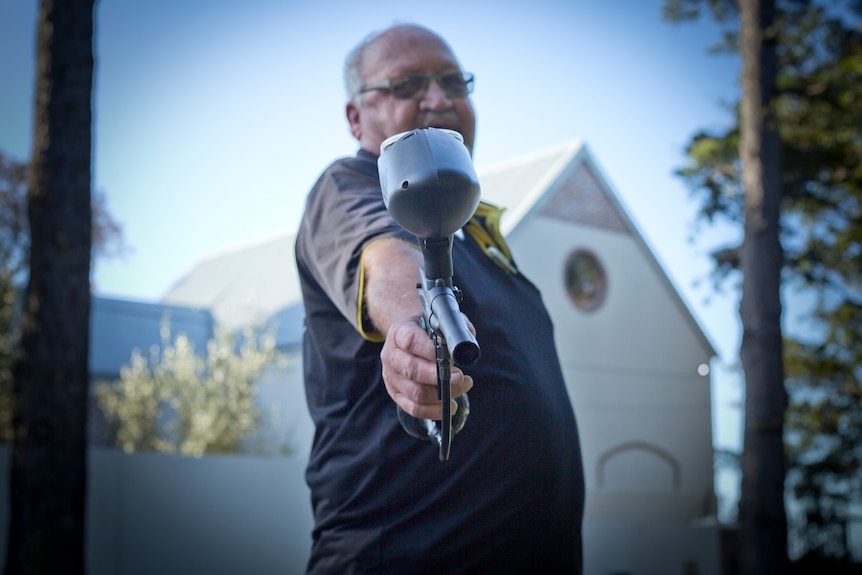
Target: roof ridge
570,147
246,244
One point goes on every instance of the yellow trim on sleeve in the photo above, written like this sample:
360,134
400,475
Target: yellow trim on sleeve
366,327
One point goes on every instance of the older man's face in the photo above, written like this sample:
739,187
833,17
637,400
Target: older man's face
378,114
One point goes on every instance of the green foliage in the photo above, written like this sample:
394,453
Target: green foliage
818,111
179,402
824,430
680,10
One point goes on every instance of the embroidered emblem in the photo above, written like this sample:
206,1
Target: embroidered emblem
484,228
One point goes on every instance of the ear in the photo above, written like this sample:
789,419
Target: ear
352,112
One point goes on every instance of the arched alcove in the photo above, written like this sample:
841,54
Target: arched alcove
643,447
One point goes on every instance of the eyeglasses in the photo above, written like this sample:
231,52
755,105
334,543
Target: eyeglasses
414,87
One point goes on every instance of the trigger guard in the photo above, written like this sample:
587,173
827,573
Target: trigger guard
420,428
459,418
412,425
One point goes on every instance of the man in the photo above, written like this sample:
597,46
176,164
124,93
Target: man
510,497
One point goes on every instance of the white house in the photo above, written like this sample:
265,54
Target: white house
635,360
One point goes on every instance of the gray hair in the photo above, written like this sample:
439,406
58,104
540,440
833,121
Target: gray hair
353,66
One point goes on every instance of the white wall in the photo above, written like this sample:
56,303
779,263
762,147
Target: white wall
631,369
617,548
154,513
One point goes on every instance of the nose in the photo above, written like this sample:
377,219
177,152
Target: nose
435,98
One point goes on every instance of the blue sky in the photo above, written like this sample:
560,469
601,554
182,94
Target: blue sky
213,119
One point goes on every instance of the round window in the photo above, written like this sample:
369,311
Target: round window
586,281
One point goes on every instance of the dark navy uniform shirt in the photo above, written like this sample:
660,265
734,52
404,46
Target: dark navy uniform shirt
510,497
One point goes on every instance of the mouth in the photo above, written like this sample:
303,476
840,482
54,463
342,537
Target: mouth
443,122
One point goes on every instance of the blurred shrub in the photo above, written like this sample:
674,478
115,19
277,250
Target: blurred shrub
176,401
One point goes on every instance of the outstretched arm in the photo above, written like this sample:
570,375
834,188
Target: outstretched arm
391,269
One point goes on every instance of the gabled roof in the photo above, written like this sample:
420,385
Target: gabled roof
242,286
518,184
560,181
564,182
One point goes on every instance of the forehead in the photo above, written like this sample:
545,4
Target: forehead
407,51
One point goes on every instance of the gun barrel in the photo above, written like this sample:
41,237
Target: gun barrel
446,319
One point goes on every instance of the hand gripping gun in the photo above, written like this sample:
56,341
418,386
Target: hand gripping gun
430,188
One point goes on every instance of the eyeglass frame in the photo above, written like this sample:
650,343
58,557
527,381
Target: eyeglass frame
469,83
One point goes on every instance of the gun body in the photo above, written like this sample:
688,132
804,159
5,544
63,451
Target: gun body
430,188
445,324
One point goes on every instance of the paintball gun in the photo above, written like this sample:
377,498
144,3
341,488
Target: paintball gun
431,190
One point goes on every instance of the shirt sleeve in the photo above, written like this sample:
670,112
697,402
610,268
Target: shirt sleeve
344,214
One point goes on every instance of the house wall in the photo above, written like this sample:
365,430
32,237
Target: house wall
624,548
631,367
286,427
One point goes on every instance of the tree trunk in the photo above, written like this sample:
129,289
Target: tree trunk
48,470
762,520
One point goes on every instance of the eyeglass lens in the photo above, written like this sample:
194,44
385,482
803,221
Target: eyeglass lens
455,85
